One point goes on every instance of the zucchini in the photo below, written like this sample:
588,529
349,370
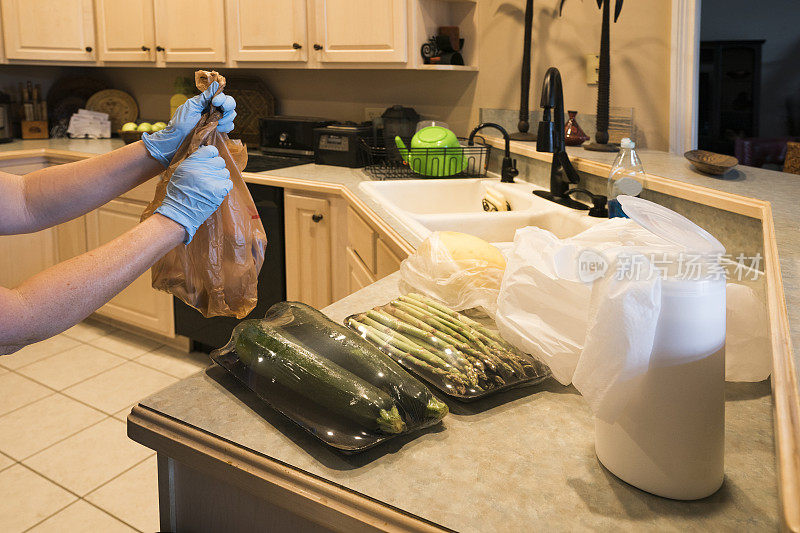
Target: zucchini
347,349
277,356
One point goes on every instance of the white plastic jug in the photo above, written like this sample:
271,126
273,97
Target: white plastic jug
669,440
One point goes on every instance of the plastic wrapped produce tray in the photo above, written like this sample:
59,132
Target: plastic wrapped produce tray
327,379
461,357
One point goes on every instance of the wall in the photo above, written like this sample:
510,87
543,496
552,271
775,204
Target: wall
640,72
639,58
777,21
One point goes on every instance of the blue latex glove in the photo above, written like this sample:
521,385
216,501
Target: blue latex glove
197,187
163,144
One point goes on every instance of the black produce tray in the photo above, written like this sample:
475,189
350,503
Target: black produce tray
335,432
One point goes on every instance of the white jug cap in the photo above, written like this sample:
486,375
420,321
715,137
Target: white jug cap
627,143
670,225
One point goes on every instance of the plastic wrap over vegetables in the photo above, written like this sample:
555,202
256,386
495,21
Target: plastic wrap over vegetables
460,356
327,378
216,273
461,270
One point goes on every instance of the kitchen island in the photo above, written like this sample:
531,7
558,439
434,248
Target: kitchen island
517,461
765,196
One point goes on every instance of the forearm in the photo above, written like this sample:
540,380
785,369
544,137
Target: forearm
63,295
62,192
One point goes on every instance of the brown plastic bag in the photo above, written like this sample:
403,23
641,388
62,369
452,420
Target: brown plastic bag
216,273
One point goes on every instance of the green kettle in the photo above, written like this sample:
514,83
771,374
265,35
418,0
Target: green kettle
435,152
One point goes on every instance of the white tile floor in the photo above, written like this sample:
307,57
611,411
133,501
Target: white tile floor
66,463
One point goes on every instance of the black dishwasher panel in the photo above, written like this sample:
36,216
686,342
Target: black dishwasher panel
209,333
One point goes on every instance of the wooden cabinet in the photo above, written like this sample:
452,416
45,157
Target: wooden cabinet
192,31
48,30
308,249
125,30
279,36
361,31
368,248
386,261
70,239
358,275
361,238
22,256
138,304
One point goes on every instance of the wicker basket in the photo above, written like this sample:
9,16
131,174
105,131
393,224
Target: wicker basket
130,136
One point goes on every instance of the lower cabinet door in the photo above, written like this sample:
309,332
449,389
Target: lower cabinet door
386,261
308,249
139,304
22,256
358,274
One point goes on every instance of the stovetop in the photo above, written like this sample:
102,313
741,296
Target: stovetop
260,162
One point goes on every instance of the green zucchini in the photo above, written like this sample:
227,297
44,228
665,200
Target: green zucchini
346,348
275,355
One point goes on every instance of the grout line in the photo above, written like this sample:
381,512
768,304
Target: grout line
78,496
48,517
43,358
61,392
103,484
60,440
34,401
77,382
112,515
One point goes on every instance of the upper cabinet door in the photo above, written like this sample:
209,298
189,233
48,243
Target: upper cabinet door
125,30
362,31
191,31
268,30
49,31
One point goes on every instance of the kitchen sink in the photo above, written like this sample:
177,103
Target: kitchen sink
427,205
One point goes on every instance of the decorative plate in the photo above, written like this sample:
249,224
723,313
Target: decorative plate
253,102
120,106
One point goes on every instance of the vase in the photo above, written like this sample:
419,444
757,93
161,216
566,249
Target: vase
573,134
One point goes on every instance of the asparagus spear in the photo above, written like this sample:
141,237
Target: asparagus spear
450,380
398,341
425,331
489,342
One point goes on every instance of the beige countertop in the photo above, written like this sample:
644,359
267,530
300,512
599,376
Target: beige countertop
517,461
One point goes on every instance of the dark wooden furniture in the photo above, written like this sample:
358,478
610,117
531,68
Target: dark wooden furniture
729,95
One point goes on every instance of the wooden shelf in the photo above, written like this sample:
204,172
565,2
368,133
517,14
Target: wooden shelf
463,68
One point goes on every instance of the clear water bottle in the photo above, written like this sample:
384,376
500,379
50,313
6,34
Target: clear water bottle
627,177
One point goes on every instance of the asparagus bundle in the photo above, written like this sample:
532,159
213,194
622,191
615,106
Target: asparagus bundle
445,346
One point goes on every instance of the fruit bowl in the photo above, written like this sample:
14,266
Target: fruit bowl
130,136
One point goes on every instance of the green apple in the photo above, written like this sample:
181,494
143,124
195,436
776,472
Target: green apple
158,126
145,127
129,126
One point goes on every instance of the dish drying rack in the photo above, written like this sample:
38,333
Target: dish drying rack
386,163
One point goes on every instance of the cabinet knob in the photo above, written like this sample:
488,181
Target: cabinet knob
297,46
88,48
317,47
145,48
316,218
159,48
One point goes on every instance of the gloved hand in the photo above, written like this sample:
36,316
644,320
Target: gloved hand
197,187
163,144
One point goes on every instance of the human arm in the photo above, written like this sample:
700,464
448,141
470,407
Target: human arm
59,193
50,196
64,294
